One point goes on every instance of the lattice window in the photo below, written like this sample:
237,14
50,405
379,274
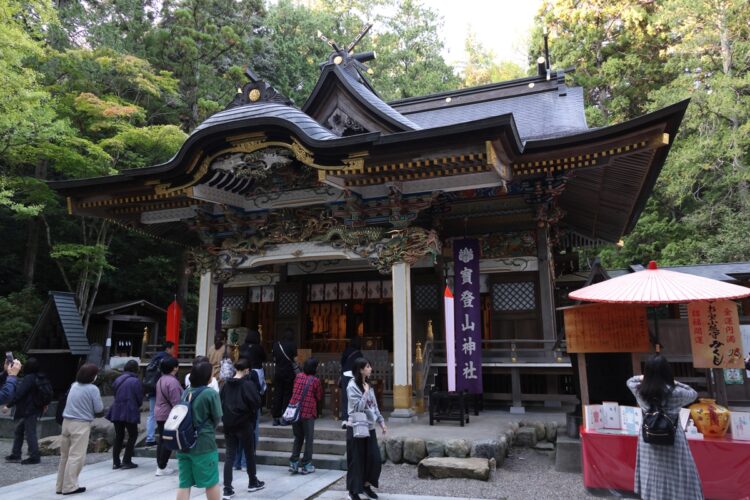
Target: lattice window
514,296
234,301
426,298
288,303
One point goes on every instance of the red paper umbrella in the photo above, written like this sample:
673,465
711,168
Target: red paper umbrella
657,286
174,314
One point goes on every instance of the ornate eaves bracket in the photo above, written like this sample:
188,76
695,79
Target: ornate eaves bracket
255,142
381,248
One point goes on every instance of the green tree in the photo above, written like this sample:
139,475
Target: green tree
409,60
482,66
205,44
617,47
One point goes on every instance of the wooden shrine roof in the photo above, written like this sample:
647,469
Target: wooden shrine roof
526,138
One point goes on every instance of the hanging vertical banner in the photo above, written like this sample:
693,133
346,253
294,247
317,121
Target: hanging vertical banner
450,339
174,315
468,310
715,335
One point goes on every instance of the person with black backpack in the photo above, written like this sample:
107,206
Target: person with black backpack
150,378
240,403
33,396
664,465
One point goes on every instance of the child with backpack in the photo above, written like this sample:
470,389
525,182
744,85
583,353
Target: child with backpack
31,399
307,393
240,403
199,463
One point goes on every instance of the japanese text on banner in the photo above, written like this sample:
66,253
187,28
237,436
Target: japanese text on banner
715,334
468,315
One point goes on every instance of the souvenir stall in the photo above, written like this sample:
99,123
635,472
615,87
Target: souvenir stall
719,439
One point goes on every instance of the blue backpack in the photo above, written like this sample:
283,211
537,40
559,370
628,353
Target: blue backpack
180,430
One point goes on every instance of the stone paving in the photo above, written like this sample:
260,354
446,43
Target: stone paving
102,483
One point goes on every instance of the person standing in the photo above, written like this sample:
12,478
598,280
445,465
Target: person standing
308,392
363,461
27,413
284,352
125,413
166,351
239,405
664,471
253,351
84,403
352,352
213,384
200,466
8,381
216,353
168,393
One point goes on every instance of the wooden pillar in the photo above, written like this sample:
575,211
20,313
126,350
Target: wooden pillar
206,314
546,284
583,378
402,352
515,384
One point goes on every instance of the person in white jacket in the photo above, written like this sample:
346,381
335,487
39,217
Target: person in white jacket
363,454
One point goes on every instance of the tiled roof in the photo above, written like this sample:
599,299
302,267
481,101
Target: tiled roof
543,115
269,110
67,311
356,83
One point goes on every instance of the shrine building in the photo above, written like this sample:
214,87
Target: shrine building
336,219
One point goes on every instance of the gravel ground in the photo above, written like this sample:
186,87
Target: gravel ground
526,474
14,473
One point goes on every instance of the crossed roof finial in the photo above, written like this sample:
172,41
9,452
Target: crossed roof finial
348,51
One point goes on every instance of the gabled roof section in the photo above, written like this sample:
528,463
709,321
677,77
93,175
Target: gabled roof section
342,86
541,108
108,308
62,306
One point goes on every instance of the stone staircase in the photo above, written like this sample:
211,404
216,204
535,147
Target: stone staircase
275,446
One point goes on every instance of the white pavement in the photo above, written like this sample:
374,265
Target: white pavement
102,483
342,495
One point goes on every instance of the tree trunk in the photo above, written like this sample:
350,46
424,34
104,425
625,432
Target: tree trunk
32,249
32,238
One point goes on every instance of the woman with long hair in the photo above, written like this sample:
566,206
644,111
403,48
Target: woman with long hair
84,403
664,471
363,459
125,413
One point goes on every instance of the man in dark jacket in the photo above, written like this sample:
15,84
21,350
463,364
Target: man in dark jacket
240,402
26,415
166,351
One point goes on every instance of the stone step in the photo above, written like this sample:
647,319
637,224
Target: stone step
265,457
332,447
285,431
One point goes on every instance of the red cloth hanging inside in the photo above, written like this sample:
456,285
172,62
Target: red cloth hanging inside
174,314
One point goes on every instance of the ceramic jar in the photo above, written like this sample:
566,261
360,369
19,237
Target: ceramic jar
711,419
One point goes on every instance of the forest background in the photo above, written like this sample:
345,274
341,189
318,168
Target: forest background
93,87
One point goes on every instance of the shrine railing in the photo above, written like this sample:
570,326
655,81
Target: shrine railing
517,351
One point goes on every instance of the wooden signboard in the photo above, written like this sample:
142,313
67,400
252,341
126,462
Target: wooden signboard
715,334
606,328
